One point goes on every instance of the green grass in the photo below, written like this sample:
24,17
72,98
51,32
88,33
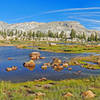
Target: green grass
44,45
83,61
71,48
19,91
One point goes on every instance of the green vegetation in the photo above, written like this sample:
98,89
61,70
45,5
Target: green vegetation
71,48
55,90
73,34
45,45
90,62
48,36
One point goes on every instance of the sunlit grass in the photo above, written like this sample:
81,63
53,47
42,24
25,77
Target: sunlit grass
18,91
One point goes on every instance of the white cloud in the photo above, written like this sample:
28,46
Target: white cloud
85,19
72,9
87,16
55,11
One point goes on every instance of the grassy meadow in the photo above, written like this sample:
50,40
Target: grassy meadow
50,90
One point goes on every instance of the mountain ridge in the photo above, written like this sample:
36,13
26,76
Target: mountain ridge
56,26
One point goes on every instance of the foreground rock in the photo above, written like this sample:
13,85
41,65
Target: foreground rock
88,94
40,94
68,95
47,86
37,98
41,79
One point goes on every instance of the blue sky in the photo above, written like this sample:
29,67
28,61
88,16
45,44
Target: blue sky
87,12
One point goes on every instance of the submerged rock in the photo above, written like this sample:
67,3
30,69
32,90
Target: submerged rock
9,58
11,68
14,67
70,69
8,69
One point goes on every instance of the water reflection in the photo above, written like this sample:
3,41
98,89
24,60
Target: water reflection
30,68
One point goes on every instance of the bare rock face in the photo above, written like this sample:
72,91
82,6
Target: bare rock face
61,26
24,26
3,25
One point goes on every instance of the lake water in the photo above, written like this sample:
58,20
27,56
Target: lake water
23,74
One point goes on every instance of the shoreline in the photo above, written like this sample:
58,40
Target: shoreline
58,48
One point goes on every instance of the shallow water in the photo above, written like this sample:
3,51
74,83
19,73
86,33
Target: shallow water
23,74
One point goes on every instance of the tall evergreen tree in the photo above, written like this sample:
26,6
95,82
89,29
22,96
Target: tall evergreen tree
61,34
96,37
84,36
92,37
73,34
50,34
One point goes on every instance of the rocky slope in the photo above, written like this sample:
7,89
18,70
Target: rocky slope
65,26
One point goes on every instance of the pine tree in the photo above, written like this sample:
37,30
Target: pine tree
50,34
84,36
92,37
96,37
57,35
61,34
73,34
33,35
